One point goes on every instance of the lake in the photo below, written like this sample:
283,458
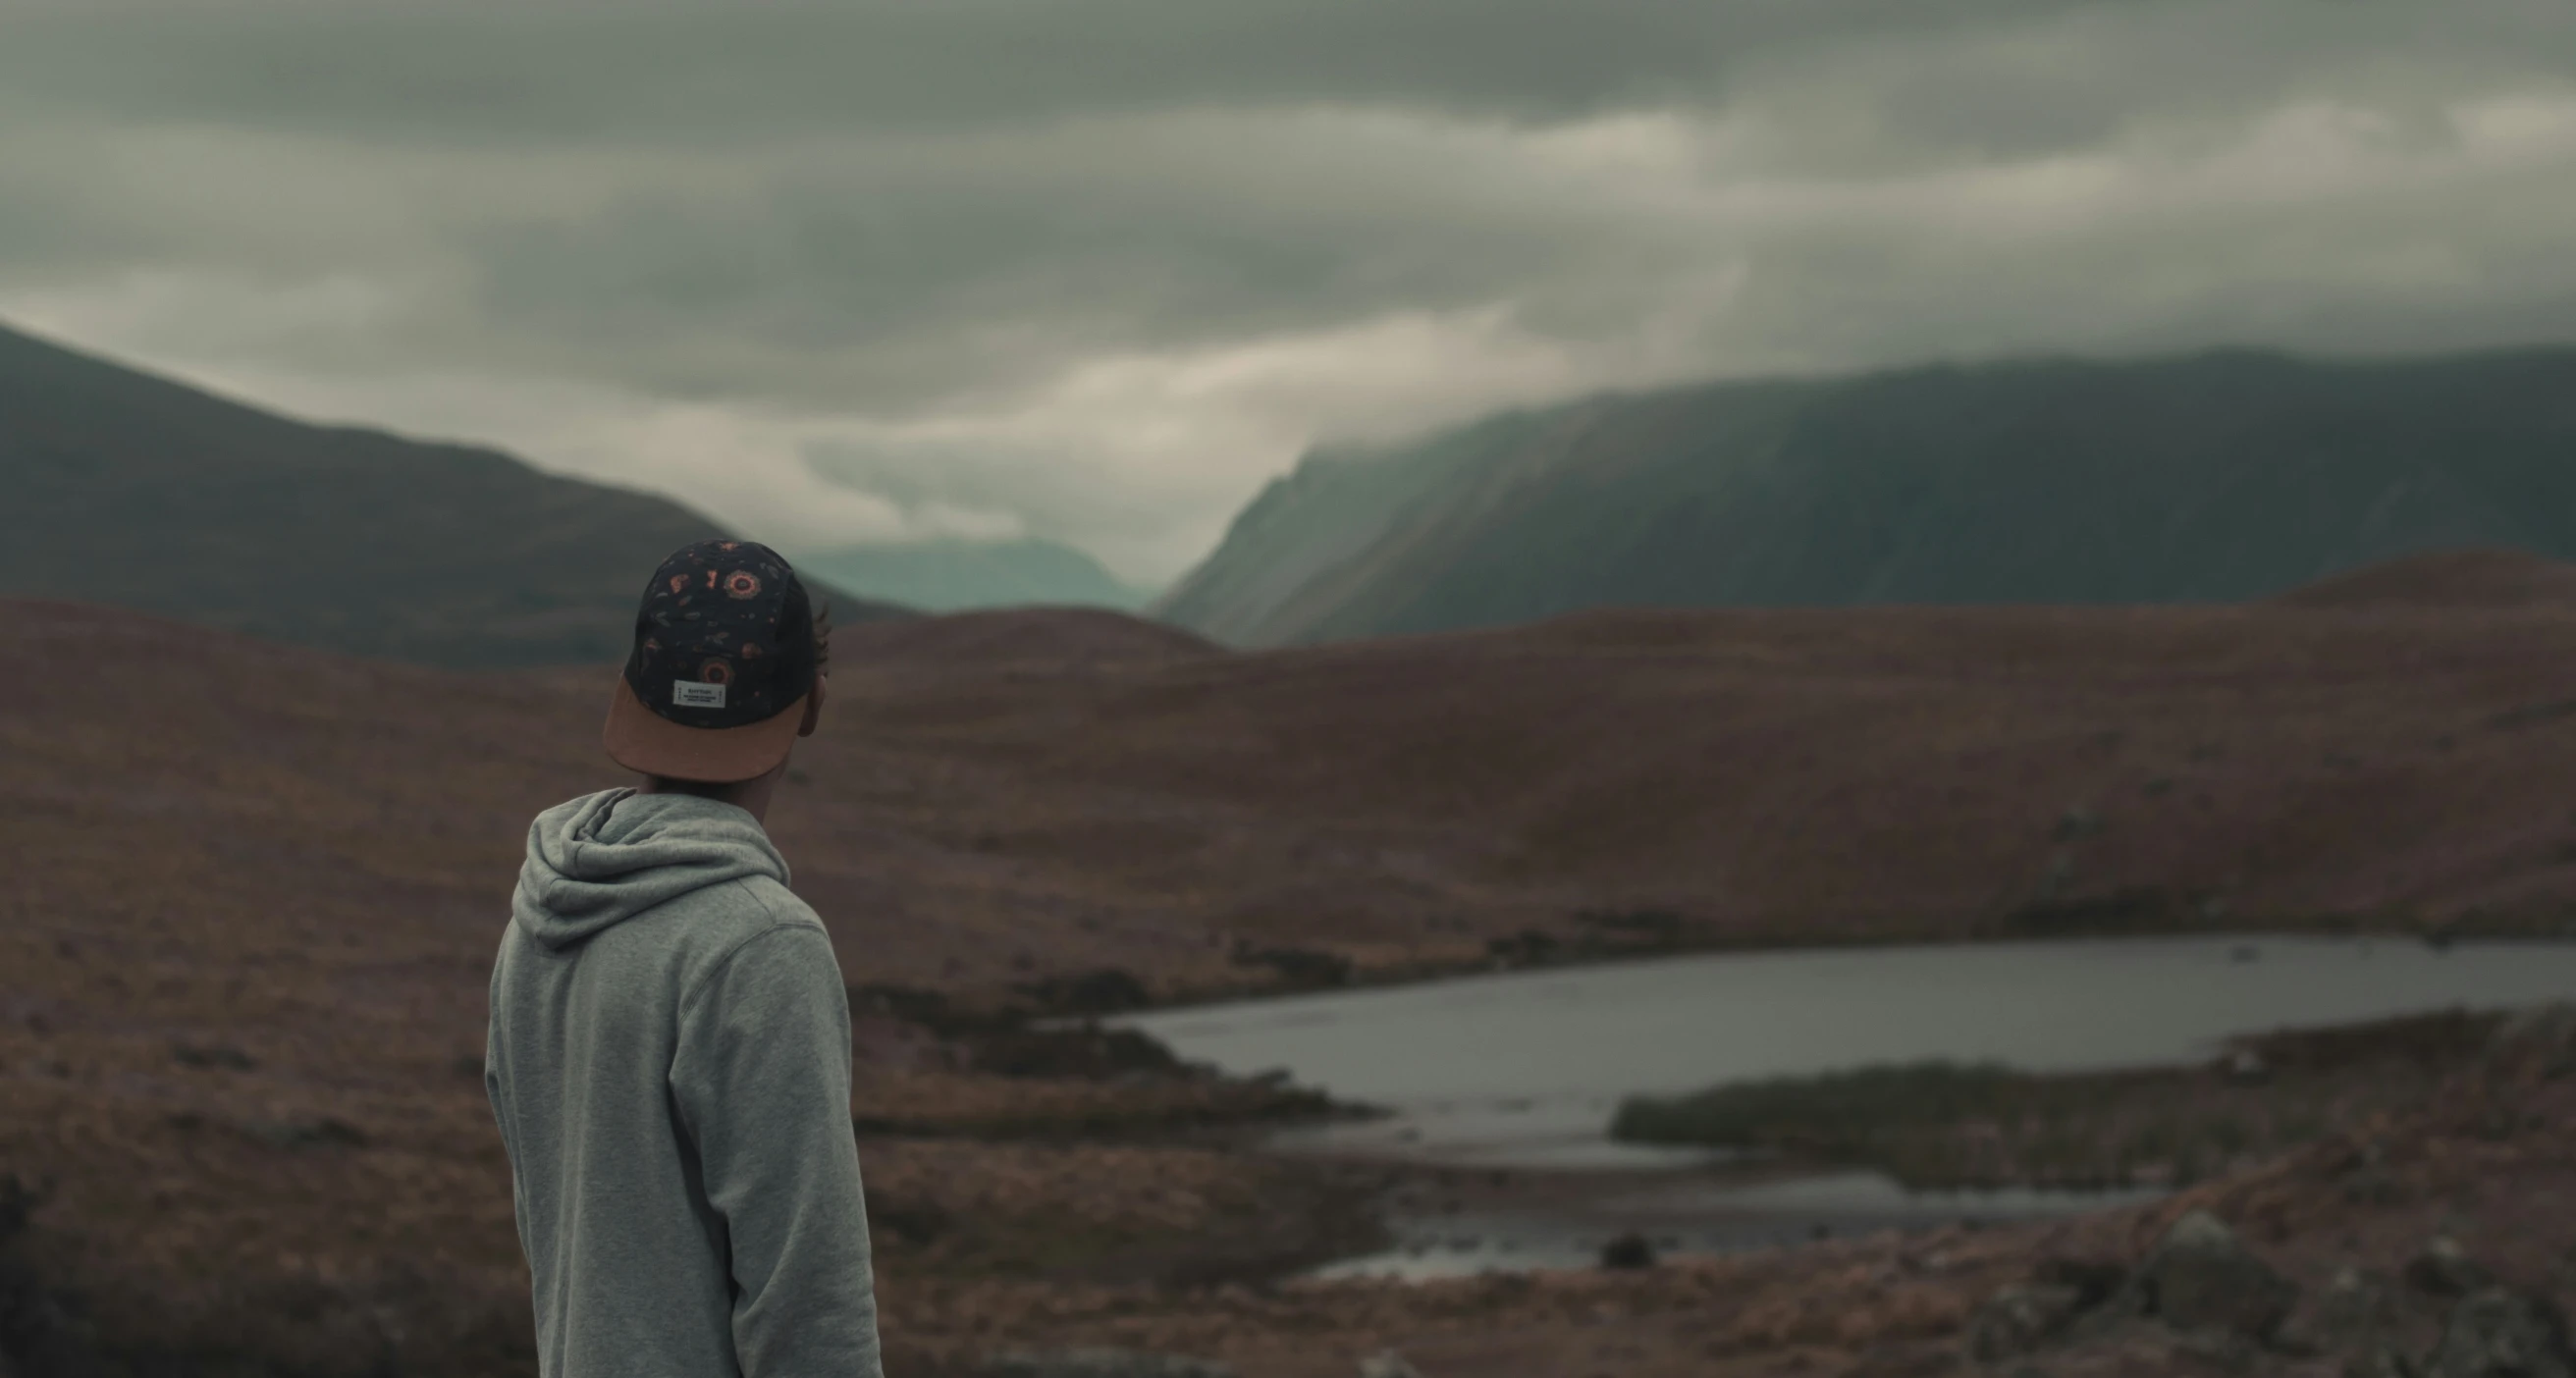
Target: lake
1523,1070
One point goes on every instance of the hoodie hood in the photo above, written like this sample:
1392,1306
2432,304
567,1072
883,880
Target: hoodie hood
599,860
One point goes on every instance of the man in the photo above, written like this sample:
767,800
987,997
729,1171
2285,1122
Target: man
669,1055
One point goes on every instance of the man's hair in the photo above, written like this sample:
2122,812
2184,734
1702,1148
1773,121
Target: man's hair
822,636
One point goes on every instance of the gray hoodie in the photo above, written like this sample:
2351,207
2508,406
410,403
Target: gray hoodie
669,1061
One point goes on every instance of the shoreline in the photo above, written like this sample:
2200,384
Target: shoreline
1574,957
1054,1240
2095,1140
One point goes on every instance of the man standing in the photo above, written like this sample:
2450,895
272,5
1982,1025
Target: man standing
669,1053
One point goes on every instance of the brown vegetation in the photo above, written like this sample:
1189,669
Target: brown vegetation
253,894
1940,1125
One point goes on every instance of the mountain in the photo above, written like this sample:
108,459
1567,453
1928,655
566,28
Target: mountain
120,487
954,575
1058,637
2212,477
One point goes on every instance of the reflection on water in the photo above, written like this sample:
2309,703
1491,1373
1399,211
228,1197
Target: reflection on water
1512,1134
1687,1217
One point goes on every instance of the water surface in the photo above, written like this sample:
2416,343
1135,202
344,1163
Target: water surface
1523,1071
1526,1068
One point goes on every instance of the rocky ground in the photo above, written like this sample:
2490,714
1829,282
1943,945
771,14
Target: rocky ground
190,1208
2440,1243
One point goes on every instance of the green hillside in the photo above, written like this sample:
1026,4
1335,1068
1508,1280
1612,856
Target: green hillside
2213,477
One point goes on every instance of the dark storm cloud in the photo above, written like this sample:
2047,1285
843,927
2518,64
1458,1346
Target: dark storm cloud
1095,268
511,72
945,264
660,72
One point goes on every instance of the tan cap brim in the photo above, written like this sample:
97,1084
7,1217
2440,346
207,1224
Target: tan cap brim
643,741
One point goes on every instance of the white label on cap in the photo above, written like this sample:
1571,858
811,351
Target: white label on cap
689,693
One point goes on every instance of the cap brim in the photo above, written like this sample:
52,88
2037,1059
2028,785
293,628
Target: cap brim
643,741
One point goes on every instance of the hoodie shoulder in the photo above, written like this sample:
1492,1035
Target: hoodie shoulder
746,907
601,860
722,921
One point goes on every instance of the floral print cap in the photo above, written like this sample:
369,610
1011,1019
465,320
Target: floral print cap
726,637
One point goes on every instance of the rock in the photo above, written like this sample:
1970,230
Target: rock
2200,1276
2501,1333
1387,1365
2444,1269
1628,1251
233,1059
2018,1320
1101,1363
2224,1350
2246,1067
2367,1180
329,1131
2381,1360
2060,874
2352,1314
2094,1278
37,1336
2549,1028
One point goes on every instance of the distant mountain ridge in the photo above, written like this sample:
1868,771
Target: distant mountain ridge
957,575
2212,477
120,487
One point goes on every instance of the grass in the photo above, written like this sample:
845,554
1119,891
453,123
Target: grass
1835,1110
1937,1124
1929,1124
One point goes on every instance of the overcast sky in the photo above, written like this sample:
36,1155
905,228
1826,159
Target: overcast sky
1096,269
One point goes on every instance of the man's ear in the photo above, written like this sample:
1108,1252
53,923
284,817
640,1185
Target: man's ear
813,709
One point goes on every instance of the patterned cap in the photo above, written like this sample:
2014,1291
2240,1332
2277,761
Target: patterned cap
726,643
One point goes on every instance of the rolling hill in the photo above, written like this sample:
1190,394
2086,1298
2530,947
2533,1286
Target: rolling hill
2207,478
120,487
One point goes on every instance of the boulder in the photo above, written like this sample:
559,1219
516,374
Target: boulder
2097,1279
1101,1363
1628,1251
2351,1315
2444,1269
2542,1040
2382,1360
2201,1277
2502,1333
2018,1320
2550,1026
1387,1365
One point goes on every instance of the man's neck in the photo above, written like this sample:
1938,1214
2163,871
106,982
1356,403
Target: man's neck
751,796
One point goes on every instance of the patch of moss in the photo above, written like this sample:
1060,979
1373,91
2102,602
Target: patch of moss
1941,1124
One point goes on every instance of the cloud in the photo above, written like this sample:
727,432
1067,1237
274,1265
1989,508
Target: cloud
1095,270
